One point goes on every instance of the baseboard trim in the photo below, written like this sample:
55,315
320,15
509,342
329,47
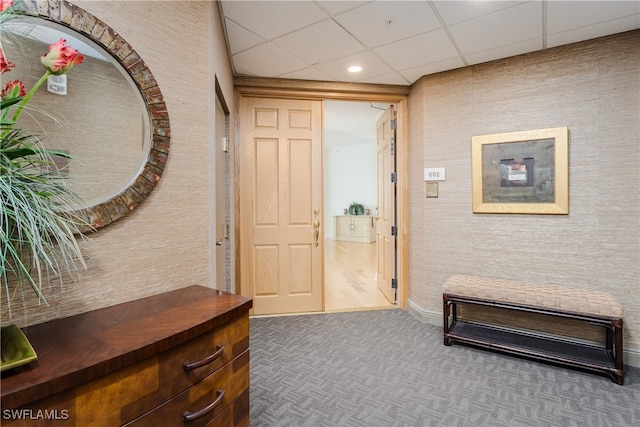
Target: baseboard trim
631,356
427,316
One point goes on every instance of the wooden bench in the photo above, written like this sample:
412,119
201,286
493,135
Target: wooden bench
594,307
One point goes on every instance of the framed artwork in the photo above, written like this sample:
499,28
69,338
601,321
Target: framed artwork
521,172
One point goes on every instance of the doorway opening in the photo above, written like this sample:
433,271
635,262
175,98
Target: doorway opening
279,158
221,232
351,206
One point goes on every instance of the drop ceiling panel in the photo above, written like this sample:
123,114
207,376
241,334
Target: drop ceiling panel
382,22
413,74
386,79
319,42
453,12
504,51
267,60
571,15
371,66
270,19
334,7
502,28
308,74
593,31
240,38
426,48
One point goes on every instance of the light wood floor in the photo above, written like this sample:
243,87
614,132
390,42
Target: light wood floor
350,277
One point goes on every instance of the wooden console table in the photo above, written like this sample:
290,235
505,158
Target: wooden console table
179,358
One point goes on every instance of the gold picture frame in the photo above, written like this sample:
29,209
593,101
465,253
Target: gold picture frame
521,172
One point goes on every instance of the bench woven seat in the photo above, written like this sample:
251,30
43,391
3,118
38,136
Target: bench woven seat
560,298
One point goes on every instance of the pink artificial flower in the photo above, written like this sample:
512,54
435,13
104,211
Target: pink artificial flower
61,58
4,64
5,4
13,90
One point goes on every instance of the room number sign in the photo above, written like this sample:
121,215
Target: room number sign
434,174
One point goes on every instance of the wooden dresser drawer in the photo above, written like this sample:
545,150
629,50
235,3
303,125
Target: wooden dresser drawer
214,349
234,415
204,401
125,395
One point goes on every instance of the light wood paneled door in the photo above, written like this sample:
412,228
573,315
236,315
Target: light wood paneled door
385,210
350,277
280,174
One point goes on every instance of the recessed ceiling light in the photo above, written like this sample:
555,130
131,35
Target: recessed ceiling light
355,69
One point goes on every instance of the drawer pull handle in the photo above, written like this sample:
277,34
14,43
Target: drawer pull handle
190,366
191,416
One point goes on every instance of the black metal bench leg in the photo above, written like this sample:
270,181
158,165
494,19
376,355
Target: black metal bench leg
445,319
617,332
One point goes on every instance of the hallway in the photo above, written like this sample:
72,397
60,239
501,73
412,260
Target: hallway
350,277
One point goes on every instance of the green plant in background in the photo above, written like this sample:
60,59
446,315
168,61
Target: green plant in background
38,226
356,209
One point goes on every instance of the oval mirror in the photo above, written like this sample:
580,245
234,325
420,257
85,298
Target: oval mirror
107,113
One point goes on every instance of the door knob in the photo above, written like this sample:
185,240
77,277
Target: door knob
219,242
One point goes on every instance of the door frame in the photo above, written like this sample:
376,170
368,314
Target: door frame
224,152
316,90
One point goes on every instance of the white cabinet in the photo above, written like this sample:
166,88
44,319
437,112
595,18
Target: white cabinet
354,228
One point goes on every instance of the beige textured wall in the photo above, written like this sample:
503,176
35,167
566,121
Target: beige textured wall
592,88
164,244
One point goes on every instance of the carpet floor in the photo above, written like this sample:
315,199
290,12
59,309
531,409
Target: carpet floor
387,368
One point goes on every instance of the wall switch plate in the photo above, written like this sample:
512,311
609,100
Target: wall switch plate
432,190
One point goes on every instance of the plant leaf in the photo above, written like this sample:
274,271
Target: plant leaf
9,102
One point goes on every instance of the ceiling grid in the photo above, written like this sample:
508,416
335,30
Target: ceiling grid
397,42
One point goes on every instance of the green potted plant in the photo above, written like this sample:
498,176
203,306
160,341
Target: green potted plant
39,226
356,209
